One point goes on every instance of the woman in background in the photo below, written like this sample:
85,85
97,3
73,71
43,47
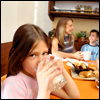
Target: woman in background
63,41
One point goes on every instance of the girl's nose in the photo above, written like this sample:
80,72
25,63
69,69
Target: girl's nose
39,59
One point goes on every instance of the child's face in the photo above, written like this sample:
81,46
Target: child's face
32,61
69,27
93,37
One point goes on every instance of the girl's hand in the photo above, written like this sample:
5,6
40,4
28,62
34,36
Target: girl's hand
61,65
78,55
46,74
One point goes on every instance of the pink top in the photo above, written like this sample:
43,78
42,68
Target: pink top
19,86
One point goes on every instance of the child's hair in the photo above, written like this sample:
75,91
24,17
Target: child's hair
25,37
60,30
96,31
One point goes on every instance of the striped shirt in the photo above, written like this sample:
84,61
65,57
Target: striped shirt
67,49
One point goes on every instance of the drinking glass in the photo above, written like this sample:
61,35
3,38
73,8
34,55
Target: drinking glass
97,82
59,81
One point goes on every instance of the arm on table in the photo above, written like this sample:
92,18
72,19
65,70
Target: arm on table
55,51
70,90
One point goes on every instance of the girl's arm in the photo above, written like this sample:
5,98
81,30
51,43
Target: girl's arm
45,76
70,90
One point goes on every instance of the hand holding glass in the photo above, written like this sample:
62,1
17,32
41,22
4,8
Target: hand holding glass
59,81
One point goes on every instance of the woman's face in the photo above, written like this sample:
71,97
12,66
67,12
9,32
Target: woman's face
69,27
32,60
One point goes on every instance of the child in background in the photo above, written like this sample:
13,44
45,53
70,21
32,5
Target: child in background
29,51
94,36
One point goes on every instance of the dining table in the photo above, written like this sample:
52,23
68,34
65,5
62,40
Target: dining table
87,88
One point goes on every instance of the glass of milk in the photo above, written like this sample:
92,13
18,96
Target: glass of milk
59,81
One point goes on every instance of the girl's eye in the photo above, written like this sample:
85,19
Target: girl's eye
45,53
32,55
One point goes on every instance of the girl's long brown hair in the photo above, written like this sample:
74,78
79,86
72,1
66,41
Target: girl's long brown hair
25,37
60,30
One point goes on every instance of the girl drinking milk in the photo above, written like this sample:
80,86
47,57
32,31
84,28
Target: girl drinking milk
30,49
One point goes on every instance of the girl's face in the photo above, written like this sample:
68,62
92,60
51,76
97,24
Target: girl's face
32,60
93,37
69,27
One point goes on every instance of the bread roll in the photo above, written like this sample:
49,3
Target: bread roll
76,65
83,66
93,68
87,74
80,65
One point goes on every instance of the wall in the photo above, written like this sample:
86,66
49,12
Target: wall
8,20
16,13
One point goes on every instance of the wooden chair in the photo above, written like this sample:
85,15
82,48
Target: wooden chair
5,48
3,78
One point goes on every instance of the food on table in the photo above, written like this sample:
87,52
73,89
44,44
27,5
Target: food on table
80,65
87,74
93,68
83,66
96,73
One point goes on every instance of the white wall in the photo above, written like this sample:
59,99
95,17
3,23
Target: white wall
8,20
16,13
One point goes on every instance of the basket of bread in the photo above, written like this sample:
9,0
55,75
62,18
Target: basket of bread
85,71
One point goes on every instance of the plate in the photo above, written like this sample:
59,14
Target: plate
72,60
75,75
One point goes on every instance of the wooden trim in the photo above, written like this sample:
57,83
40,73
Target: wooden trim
50,8
52,13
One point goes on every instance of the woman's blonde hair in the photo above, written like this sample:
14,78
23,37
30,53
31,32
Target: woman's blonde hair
60,30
